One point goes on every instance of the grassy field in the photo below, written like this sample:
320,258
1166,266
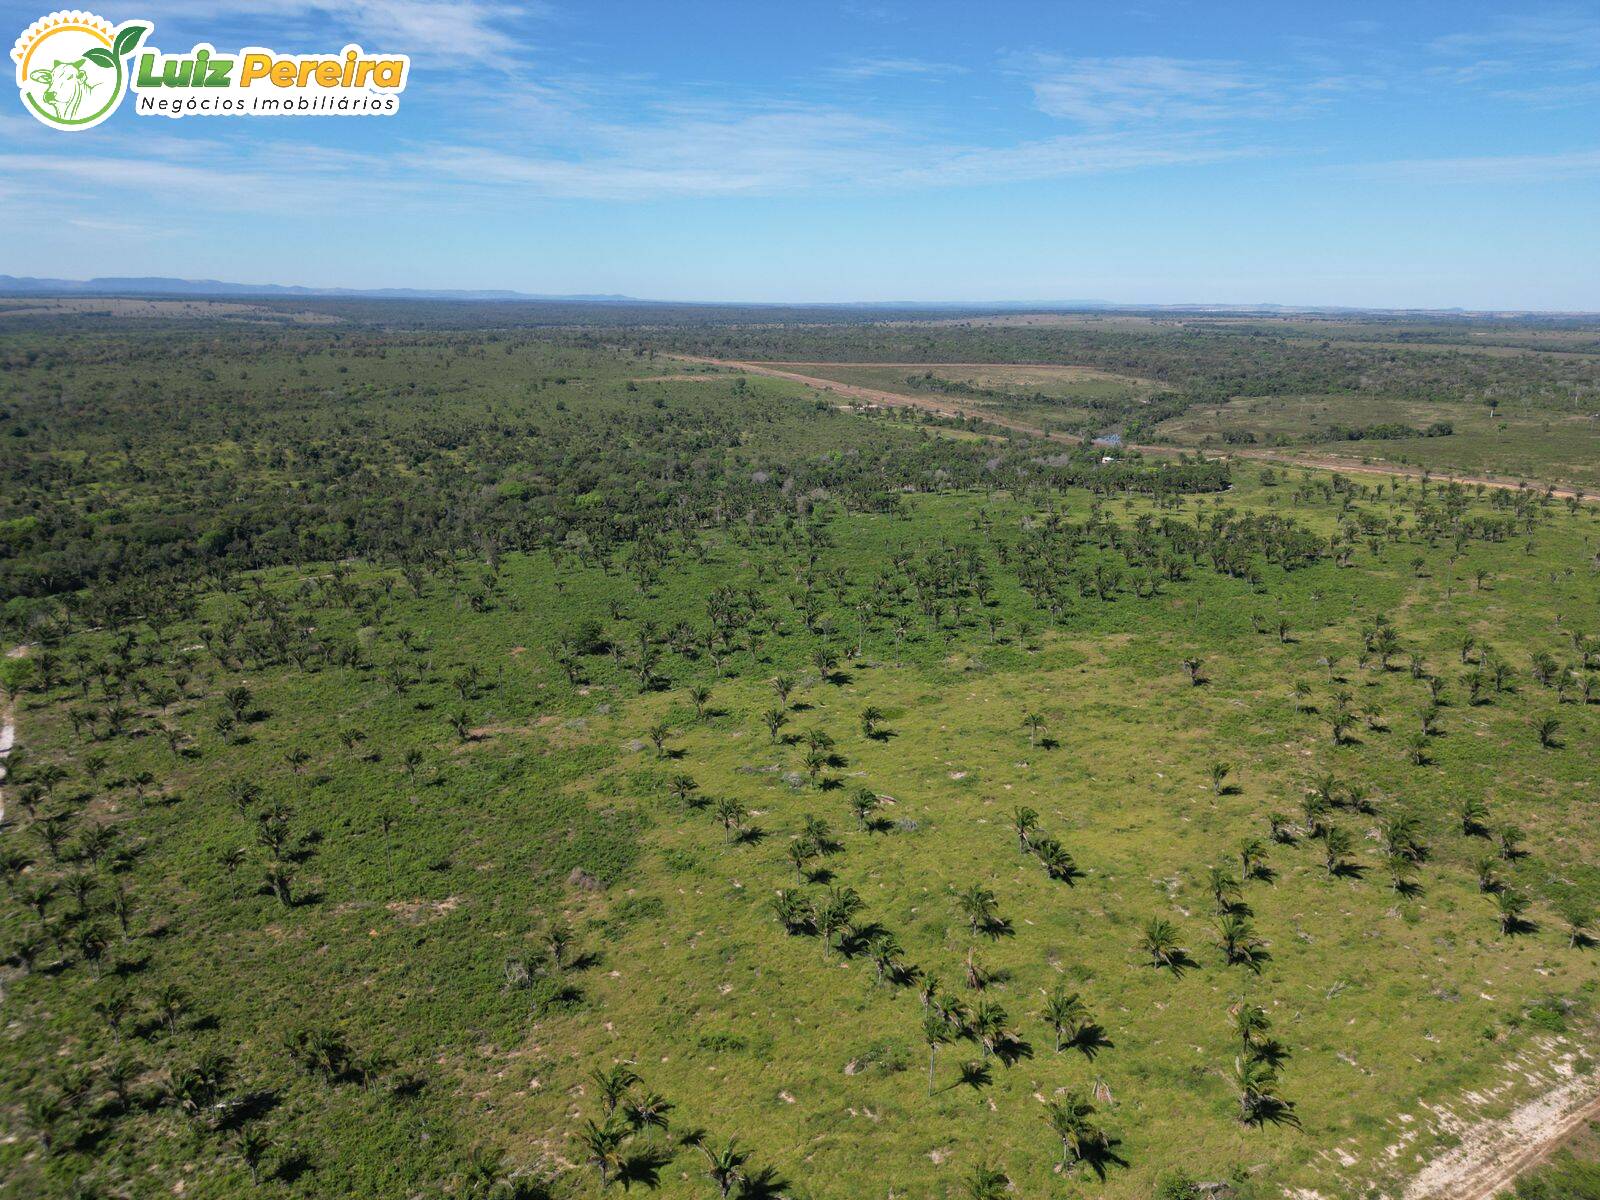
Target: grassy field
361,872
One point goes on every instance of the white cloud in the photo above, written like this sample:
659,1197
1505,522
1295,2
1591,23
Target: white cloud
1550,48
445,30
1506,168
880,67
709,153
1104,91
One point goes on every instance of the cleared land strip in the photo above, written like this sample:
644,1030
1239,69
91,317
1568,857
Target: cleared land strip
1332,462
948,409
8,732
1489,1153
877,396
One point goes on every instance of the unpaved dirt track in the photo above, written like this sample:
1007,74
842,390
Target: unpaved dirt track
875,396
948,409
1331,462
8,733
1490,1154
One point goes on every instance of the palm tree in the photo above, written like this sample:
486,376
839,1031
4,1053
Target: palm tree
1335,847
699,696
724,1167
1025,821
113,1009
794,912
989,1025
783,685
682,787
658,734
987,1182
171,1004
1545,728
731,813
1237,940
119,1076
1066,1013
871,716
558,939
1160,942
612,1084
1225,889
978,905
886,952
602,1146
1070,1120
936,1032
1219,774
813,762
1033,723
1256,1081
800,852
774,719
1054,857
1579,918
280,881
44,1113
1252,857
837,910
1487,870
484,1175
1250,1023
864,802
1511,905
251,1145
1510,839
646,1110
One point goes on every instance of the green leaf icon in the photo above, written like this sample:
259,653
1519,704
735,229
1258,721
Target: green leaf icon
100,57
128,39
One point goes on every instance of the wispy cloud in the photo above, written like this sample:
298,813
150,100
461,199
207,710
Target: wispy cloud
1562,39
1105,91
1507,168
446,30
881,67
1560,51
707,154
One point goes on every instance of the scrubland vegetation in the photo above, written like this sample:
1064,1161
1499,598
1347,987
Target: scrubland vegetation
490,757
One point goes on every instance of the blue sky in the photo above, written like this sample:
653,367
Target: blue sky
1398,154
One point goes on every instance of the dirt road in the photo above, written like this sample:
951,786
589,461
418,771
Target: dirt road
948,408
8,732
867,395
1489,1154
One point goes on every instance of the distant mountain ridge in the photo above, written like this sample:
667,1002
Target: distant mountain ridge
160,285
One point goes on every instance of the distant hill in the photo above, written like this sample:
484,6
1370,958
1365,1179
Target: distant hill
160,285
